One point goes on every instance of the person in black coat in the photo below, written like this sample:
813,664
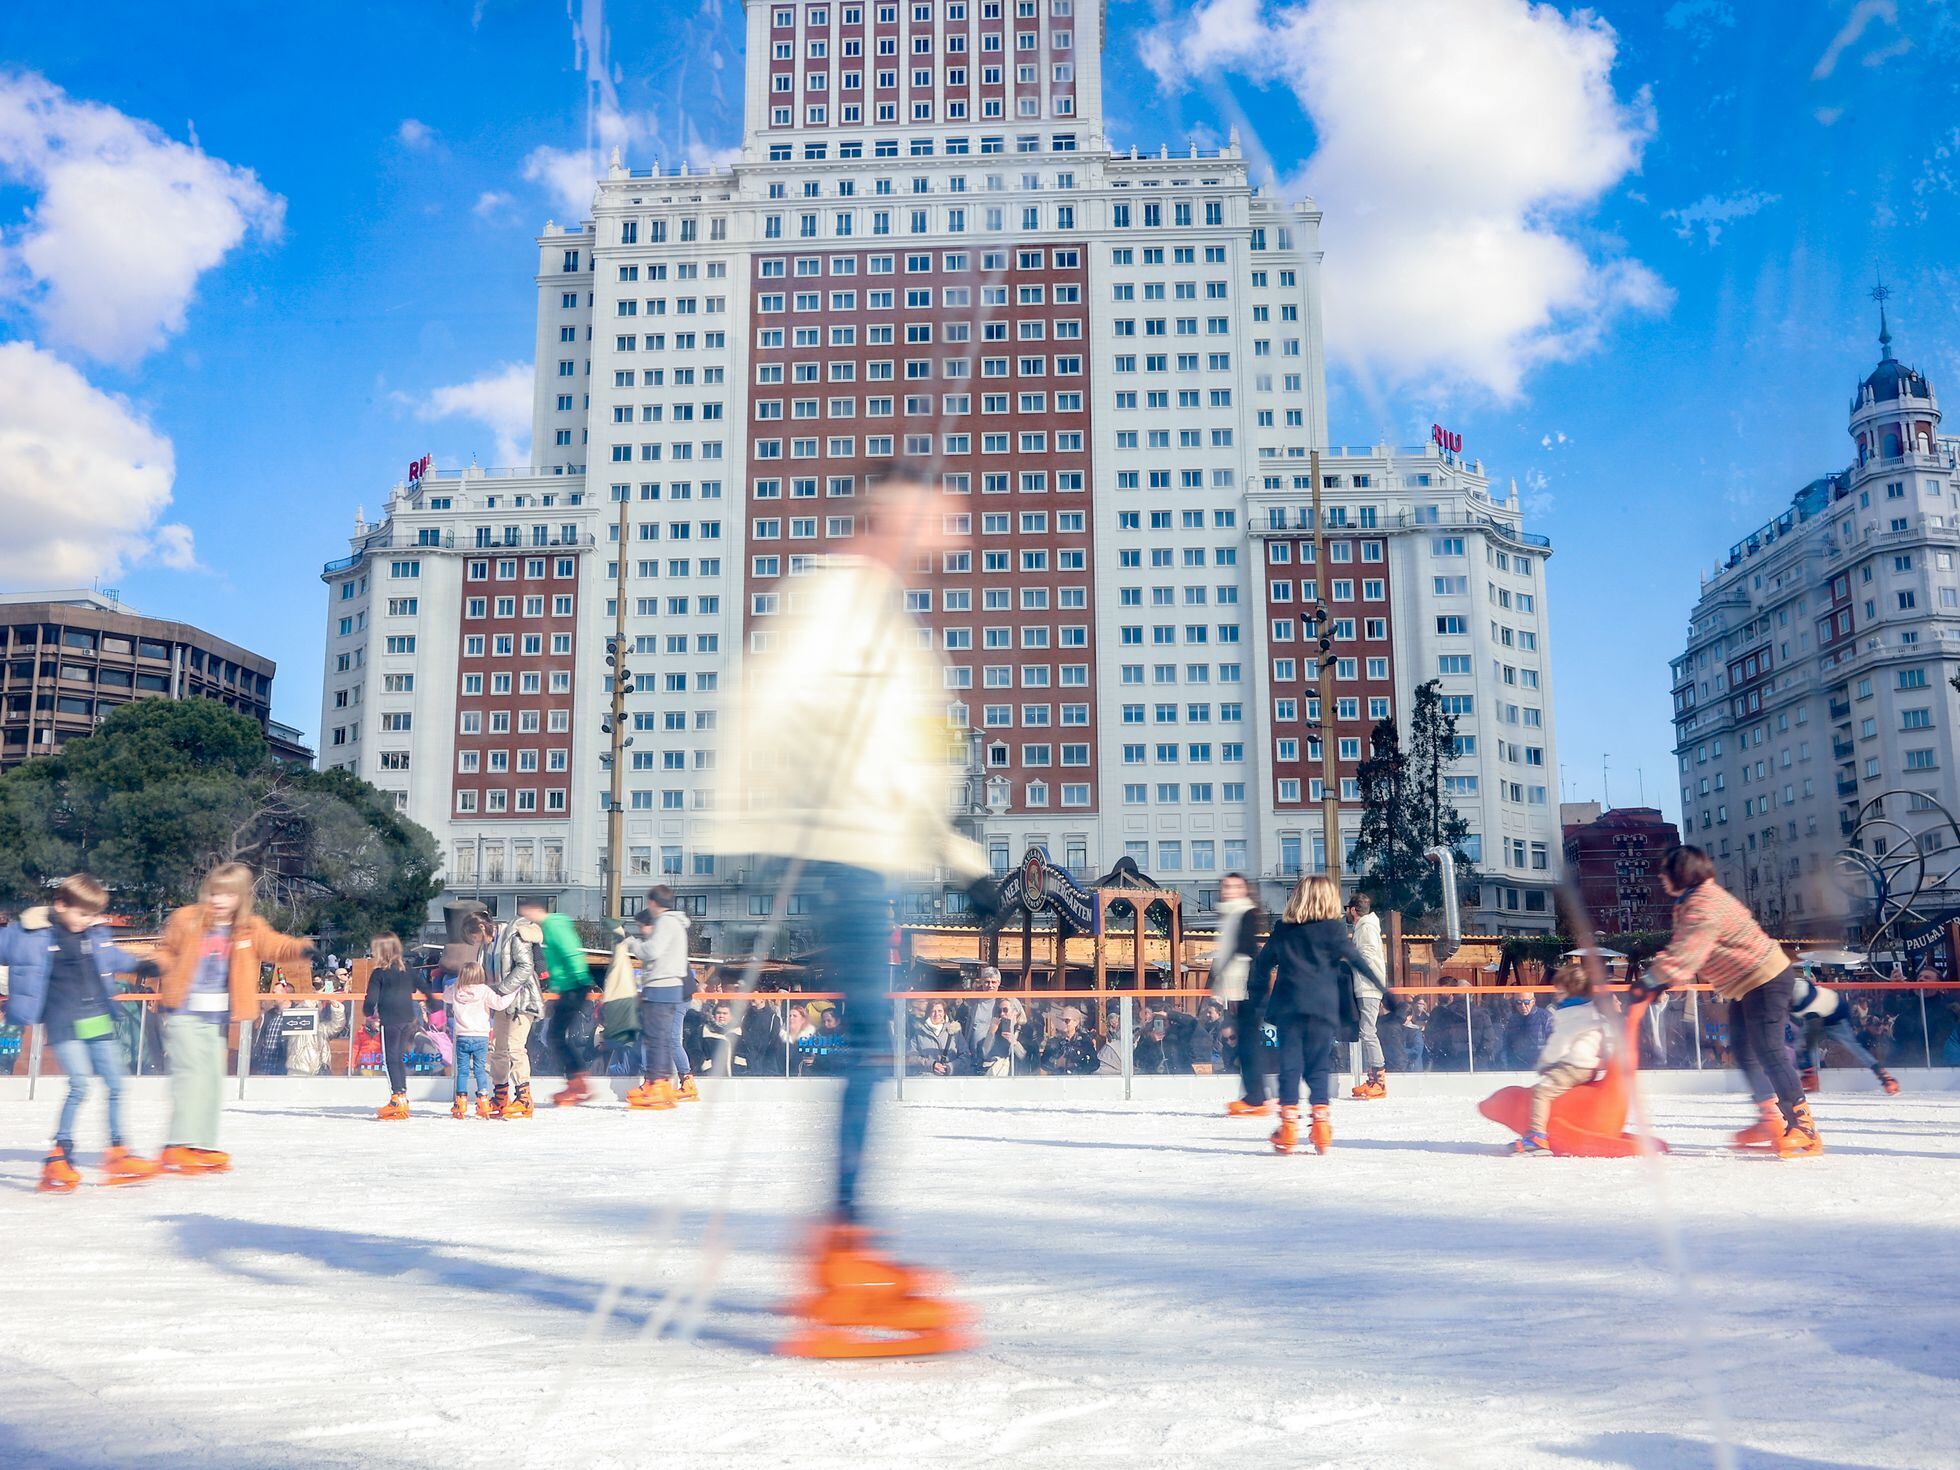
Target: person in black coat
1304,975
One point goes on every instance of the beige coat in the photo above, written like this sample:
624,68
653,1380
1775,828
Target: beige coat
843,750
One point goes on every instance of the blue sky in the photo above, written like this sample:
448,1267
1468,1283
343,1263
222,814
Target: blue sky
1625,252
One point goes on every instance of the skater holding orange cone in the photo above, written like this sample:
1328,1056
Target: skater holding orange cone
1715,937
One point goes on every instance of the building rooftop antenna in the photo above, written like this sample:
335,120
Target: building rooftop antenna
1881,293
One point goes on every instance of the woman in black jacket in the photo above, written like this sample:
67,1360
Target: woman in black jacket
1303,974
390,999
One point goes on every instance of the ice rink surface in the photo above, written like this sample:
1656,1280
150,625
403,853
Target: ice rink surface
1155,1288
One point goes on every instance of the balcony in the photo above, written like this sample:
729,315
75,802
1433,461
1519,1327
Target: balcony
1847,788
1840,710
1840,749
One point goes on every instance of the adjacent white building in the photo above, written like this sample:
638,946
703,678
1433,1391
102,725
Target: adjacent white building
1817,672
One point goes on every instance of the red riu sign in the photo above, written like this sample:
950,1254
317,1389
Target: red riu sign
418,468
1452,442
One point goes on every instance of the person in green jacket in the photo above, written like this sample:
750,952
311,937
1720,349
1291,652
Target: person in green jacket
569,978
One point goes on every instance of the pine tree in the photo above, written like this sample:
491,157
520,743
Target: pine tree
1406,809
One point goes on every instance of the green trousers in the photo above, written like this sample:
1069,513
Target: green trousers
196,1050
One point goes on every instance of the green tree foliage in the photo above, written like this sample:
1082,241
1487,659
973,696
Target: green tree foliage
164,790
1406,809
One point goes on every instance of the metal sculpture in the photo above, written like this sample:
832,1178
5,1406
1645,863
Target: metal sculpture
1884,868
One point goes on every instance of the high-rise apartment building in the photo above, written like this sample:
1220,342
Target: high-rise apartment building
1818,666
1112,365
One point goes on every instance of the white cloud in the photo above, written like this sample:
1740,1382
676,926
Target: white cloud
1451,253
1554,440
491,201
569,175
414,133
1711,212
500,399
1886,12
84,478
124,221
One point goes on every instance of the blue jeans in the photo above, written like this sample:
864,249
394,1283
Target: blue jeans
78,1058
680,1051
857,938
1845,1035
658,1024
472,1055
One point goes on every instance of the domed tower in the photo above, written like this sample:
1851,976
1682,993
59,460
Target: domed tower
1894,413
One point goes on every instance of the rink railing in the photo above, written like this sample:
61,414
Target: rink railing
1676,1035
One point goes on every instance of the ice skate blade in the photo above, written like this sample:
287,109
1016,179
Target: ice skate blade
843,1342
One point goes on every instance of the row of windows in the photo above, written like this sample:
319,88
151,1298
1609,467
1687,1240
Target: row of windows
506,607
851,114
500,721
498,761
679,452
1287,670
498,800
951,262
850,78
817,16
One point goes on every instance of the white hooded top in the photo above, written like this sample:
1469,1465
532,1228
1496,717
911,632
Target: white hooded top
844,750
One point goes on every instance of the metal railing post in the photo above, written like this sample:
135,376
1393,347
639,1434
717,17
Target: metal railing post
142,1032
789,1043
244,1056
898,1047
1469,1032
1694,1012
1925,1031
33,1059
1126,1021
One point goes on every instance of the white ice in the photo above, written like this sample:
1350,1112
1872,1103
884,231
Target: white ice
1155,1288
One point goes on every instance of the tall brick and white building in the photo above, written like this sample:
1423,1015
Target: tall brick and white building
929,251
1816,674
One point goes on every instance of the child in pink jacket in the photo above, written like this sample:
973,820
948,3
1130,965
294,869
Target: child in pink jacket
470,1003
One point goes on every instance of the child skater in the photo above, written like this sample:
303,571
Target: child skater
62,970
1821,1012
391,1001
1571,1054
1311,1002
470,1003
209,958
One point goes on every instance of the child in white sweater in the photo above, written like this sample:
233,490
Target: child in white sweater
470,1002
1570,1056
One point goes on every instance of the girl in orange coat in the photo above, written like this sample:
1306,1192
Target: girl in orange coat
210,955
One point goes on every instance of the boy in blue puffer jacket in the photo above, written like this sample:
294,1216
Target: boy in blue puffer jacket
61,976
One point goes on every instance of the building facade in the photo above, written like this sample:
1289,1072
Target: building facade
1817,672
71,657
1613,858
1112,365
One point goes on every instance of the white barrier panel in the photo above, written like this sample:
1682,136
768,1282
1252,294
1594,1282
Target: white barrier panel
1146,1091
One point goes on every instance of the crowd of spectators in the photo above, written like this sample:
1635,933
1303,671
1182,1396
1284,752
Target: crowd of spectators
991,1033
